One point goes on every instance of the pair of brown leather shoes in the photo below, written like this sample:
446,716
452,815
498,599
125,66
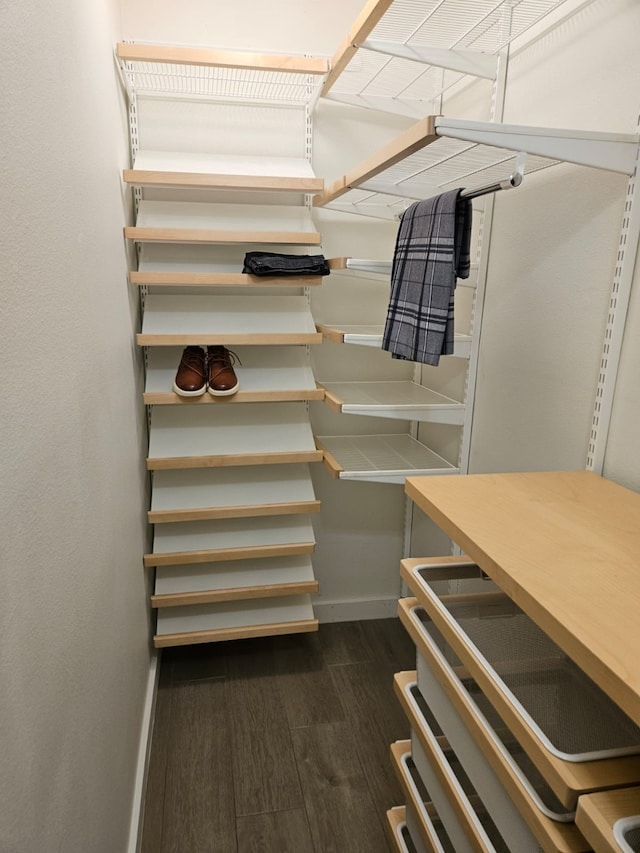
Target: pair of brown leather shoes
211,371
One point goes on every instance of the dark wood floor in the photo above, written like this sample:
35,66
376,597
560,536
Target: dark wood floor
278,745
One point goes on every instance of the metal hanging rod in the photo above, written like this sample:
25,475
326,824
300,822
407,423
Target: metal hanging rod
514,180
510,183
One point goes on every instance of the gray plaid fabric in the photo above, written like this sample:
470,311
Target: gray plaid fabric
432,250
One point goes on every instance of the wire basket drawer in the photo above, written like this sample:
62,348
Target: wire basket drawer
574,734
518,798
423,823
465,819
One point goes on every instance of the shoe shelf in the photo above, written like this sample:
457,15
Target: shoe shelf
166,71
252,434
202,266
187,542
409,53
380,458
401,400
231,492
276,374
171,320
234,620
184,170
213,222
207,583
200,494
371,336
438,153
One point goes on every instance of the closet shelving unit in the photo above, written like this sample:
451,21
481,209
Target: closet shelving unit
231,489
402,56
434,155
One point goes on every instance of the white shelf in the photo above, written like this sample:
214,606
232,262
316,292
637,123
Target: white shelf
438,154
400,49
219,75
371,336
380,458
221,171
264,373
403,400
213,222
171,320
234,491
252,434
234,619
204,266
200,541
235,574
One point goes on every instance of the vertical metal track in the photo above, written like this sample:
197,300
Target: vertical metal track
614,331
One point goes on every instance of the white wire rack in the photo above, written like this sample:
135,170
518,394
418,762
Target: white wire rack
439,153
182,72
411,55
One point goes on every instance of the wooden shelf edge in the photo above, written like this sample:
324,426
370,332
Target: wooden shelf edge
219,634
249,511
168,398
418,136
207,180
180,599
214,235
145,339
189,558
177,55
331,333
177,279
330,462
229,460
395,817
360,29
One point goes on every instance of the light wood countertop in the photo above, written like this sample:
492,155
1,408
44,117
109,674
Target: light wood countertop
565,546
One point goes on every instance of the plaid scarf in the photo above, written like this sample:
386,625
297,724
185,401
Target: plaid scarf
432,250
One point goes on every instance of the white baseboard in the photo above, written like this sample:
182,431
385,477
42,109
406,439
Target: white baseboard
355,610
144,749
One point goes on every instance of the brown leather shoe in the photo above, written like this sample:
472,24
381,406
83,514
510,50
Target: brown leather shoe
223,381
191,378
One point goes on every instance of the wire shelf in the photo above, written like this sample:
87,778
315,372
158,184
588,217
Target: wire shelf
446,40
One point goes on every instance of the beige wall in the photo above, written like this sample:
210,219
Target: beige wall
553,251
74,647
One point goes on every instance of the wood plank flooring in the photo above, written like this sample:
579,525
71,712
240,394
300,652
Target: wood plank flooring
279,744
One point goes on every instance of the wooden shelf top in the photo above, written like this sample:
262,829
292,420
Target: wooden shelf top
565,546
221,171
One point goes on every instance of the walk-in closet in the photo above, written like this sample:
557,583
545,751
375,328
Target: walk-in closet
321,494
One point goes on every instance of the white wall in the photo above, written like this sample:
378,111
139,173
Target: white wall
553,251
74,651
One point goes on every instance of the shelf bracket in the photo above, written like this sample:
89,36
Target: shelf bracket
465,61
612,152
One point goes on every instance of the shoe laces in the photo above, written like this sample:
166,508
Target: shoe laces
193,358
225,357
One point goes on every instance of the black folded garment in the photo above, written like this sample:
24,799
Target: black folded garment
272,263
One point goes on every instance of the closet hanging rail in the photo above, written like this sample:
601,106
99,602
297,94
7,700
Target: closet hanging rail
438,153
514,180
